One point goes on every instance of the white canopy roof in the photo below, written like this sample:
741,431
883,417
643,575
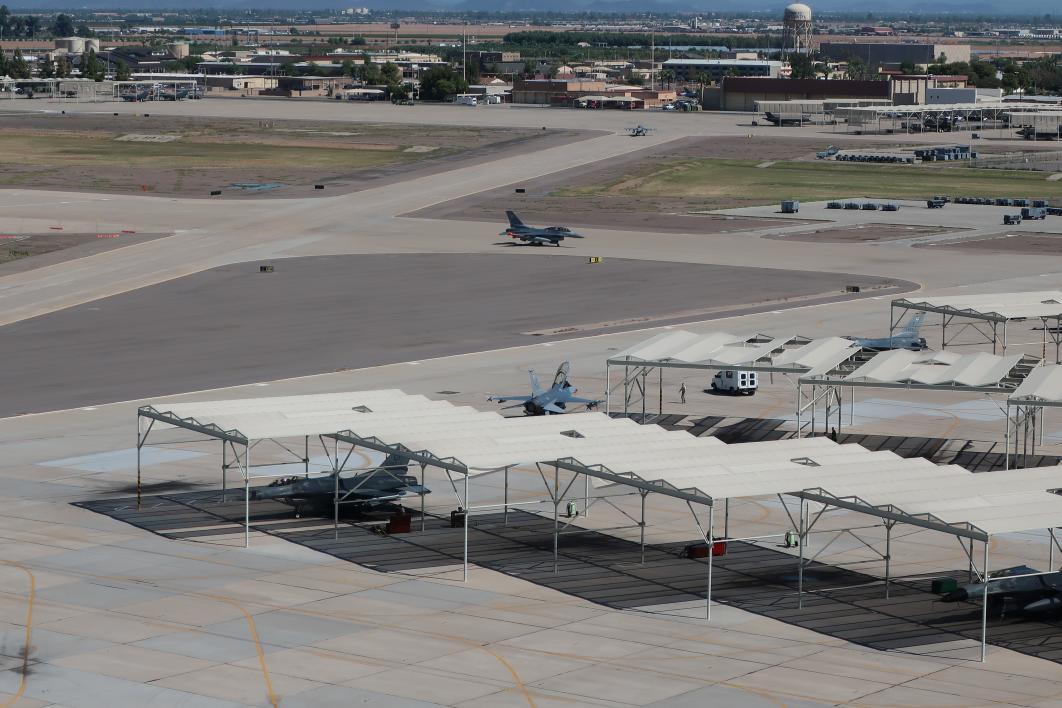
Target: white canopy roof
646,456
786,353
997,306
1043,386
900,367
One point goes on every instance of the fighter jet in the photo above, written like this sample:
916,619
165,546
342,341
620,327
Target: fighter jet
638,131
554,400
1020,587
906,338
534,236
316,495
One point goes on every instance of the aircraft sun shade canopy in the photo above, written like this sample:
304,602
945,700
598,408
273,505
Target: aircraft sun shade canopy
997,307
1042,387
901,368
673,463
722,350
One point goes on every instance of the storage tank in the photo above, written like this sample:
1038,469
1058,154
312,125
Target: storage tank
92,44
178,50
796,29
72,45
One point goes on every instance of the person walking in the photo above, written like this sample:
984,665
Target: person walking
682,392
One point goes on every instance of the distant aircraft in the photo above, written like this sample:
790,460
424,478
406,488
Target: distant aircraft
553,400
143,94
1030,594
906,338
536,237
638,131
786,119
316,495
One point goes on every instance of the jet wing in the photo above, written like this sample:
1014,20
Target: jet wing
506,399
553,408
588,401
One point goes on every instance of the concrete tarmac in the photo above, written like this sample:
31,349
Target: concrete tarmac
235,324
96,613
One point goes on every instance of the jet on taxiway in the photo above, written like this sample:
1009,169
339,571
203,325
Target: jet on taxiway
555,399
536,236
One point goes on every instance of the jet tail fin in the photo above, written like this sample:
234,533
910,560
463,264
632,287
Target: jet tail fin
914,325
536,387
514,220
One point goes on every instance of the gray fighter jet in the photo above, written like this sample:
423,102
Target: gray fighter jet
906,338
1019,587
555,399
639,131
535,236
316,495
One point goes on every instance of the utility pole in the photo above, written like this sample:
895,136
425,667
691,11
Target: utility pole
464,52
652,62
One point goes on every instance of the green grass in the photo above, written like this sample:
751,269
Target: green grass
187,154
740,182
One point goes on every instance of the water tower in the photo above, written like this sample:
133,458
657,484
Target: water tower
796,29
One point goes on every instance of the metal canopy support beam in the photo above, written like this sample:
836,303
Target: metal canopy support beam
891,513
601,472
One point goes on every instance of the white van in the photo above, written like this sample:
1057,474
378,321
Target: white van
736,382
465,99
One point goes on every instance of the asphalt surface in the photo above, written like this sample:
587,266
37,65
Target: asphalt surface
319,314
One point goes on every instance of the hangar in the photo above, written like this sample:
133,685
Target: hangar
607,453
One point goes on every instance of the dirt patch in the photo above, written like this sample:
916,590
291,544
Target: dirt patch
866,233
87,153
1024,243
20,252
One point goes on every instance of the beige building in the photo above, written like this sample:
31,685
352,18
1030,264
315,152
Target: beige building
911,89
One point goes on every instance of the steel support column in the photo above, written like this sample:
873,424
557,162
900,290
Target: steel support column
464,567
800,553
711,556
247,496
984,607
641,528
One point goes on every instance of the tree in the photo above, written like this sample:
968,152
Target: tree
121,71
19,67
348,67
4,66
45,69
857,69
63,26
908,68
92,67
440,83
62,68
801,67
390,74
667,76
32,25
83,30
